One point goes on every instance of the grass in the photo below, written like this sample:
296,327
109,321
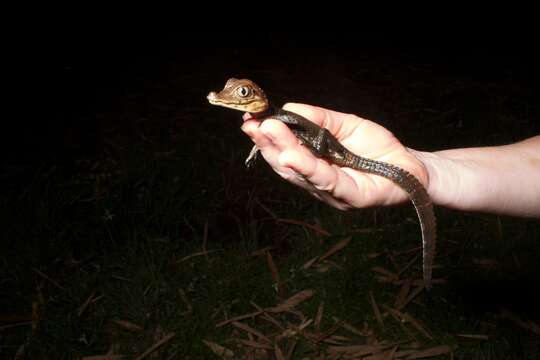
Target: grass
158,238
88,263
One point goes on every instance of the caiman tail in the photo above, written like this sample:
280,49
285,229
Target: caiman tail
419,197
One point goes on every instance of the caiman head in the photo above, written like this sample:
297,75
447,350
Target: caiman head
240,94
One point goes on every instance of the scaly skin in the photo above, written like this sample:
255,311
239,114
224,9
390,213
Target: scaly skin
245,95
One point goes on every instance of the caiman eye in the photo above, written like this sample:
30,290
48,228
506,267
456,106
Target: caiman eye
243,91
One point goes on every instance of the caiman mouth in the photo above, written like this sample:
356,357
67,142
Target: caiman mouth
212,99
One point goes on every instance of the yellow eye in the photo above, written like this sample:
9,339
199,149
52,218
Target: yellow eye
243,91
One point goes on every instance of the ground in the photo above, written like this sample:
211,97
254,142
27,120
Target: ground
131,227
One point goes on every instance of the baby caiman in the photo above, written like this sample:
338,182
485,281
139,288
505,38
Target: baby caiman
245,95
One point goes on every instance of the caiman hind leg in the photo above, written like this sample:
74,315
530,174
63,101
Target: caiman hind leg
250,160
319,144
325,145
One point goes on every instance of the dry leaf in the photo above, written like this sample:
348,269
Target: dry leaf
387,273
278,352
403,292
128,325
91,299
376,310
308,264
363,333
356,350
291,302
254,344
525,324
219,350
374,255
328,332
315,228
318,317
402,353
262,251
408,265
155,346
275,274
473,336
337,247
270,319
384,355
416,324
251,330
430,352
412,295
292,347
200,253
407,318
240,317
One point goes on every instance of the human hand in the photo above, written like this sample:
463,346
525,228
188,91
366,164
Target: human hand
340,187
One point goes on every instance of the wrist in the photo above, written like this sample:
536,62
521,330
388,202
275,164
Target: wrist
446,178
502,180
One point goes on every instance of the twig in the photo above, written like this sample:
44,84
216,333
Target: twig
155,346
238,318
412,295
200,253
315,228
275,274
91,299
337,247
251,330
376,310
47,278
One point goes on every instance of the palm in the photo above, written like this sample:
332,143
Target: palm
340,187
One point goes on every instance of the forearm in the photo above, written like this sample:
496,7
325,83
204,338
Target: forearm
502,179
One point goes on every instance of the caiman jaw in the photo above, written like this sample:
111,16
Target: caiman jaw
214,99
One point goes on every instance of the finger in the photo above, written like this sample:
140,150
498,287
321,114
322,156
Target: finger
281,136
271,137
250,126
252,129
288,171
331,179
318,172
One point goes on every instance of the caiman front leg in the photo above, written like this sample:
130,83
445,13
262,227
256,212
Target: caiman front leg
319,145
323,145
252,157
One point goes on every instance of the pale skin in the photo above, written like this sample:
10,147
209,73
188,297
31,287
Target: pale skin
500,179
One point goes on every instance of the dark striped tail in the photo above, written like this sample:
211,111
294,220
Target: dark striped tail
419,197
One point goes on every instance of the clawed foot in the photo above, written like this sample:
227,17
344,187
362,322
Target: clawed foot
250,160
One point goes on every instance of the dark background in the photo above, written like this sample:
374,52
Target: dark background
117,121
62,80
